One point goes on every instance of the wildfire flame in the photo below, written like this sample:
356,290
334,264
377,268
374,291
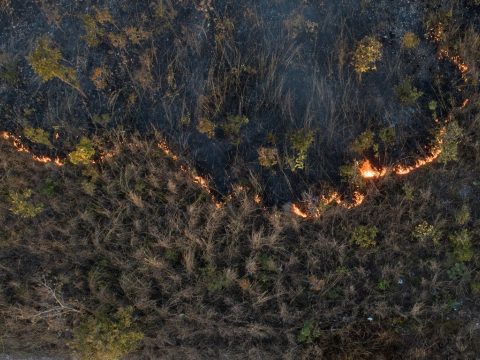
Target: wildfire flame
18,146
367,171
297,211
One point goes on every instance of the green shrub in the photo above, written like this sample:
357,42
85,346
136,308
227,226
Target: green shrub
462,245
301,141
215,280
233,125
308,333
46,62
367,53
83,153
387,135
363,142
21,206
410,40
351,175
458,272
93,33
425,231
463,215
383,285
407,93
38,136
365,236
103,337
449,143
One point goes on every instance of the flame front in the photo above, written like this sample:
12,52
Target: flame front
18,146
367,171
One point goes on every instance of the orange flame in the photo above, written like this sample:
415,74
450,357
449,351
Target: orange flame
435,153
297,211
18,146
367,171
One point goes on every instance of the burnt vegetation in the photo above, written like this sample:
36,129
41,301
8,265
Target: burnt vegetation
240,179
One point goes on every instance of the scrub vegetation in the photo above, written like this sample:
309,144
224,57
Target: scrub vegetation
240,179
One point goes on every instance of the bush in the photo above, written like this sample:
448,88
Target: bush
410,40
38,136
21,206
449,144
301,142
367,53
83,153
106,338
462,245
407,93
267,157
307,334
46,62
233,125
425,231
363,142
365,236
206,127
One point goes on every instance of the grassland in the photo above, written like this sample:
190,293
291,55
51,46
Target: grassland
181,133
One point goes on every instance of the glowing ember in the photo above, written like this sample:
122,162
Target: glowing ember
166,150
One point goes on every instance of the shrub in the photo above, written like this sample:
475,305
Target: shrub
233,125
425,231
365,236
462,245
99,77
38,136
20,205
350,174
458,272
463,215
308,333
301,142
206,127
363,142
93,33
410,40
449,143
367,53
103,337
83,153
267,157
46,62
407,93
387,135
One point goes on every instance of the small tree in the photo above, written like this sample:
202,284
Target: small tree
46,59
410,40
367,53
83,153
104,337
